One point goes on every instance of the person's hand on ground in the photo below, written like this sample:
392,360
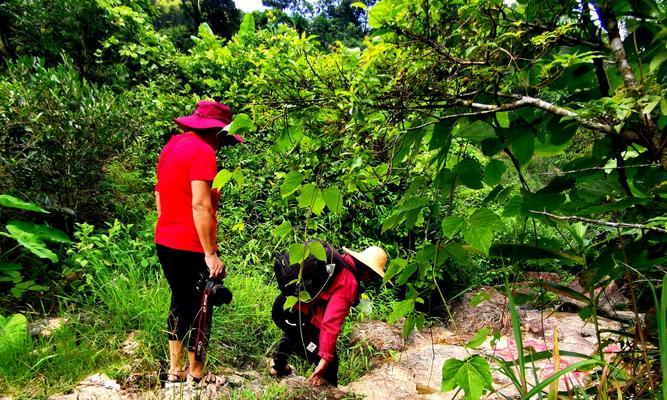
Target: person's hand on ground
316,378
215,266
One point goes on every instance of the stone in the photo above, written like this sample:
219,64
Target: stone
131,344
299,387
389,381
94,387
379,335
46,326
492,313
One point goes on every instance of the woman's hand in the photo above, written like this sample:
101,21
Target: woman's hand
316,378
215,266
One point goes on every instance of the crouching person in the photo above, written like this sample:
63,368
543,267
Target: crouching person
310,329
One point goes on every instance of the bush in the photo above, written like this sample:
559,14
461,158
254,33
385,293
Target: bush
57,135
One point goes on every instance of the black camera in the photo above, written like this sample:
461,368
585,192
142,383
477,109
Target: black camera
214,291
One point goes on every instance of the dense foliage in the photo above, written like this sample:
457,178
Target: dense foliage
475,140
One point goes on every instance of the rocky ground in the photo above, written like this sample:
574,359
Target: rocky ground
413,368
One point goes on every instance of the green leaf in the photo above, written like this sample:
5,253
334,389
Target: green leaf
5,267
470,173
503,118
480,298
238,176
518,251
359,4
476,132
297,253
401,309
282,230
494,172
247,25
333,199
311,198
42,232
479,338
221,179
658,60
452,225
523,147
240,124
565,291
13,329
291,183
481,226
304,296
12,202
317,249
472,375
31,242
409,325
290,301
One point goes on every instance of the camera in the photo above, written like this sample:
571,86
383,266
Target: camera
215,290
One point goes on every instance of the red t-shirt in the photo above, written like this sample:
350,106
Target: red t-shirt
185,158
329,310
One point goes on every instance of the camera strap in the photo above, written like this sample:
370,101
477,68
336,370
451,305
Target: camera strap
202,325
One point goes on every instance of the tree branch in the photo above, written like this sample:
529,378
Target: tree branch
599,222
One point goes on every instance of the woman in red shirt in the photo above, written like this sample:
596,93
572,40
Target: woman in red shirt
185,235
311,329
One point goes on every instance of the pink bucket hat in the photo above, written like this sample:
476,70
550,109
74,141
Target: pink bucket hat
208,115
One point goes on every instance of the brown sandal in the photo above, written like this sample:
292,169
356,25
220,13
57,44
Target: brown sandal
178,377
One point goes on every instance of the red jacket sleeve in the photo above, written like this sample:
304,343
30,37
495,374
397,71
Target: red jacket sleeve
343,294
203,165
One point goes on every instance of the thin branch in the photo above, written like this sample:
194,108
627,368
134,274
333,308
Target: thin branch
599,222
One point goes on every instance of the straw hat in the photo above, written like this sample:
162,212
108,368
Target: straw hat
373,257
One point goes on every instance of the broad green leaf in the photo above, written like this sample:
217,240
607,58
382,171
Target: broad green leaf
13,328
472,375
317,250
12,202
42,232
518,251
481,226
392,221
333,199
31,242
523,147
311,198
240,124
409,325
289,138
658,60
452,225
396,265
297,253
282,230
238,176
401,309
470,173
479,298
291,183
494,172
359,4
479,338
503,118
247,25
304,296
5,267
565,291
290,301
221,179
476,132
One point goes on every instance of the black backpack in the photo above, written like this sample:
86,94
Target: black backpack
317,275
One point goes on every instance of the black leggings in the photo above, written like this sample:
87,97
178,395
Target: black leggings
183,270
299,337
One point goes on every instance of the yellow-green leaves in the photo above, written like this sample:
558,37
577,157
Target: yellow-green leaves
240,124
469,171
297,253
333,199
224,176
282,230
477,230
13,202
311,197
317,249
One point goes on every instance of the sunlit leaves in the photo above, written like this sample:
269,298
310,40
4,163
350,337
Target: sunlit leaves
241,123
481,226
451,225
13,329
291,183
282,230
13,202
221,179
472,375
311,197
297,253
475,132
247,25
333,199
317,249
